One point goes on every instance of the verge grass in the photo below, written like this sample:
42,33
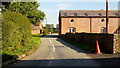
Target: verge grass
80,46
27,50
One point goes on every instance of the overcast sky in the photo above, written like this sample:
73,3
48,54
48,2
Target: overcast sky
51,9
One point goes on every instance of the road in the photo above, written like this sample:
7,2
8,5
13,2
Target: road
55,52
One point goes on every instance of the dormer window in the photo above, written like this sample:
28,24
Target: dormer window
65,14
100,14
86,14
116,14
75,14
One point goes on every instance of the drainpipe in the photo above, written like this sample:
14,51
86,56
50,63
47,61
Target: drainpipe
106,16
90,25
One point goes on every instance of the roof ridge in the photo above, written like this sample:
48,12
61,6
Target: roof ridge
88,10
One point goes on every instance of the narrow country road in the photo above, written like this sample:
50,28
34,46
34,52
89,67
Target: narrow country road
55,52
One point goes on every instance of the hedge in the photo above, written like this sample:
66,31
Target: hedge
16,33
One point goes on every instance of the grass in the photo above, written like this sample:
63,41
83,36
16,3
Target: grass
38,35
36,40
80,46
27,50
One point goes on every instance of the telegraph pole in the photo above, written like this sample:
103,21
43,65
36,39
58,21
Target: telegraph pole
106,16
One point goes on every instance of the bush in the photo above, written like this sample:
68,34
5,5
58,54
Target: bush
16,33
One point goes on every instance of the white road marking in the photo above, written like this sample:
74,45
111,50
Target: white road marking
53,51
52,45
50,61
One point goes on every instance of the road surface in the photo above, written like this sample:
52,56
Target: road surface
55,52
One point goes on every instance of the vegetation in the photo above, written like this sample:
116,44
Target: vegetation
38,35
50,28
80,46
57,26
34,45
26,8
16,33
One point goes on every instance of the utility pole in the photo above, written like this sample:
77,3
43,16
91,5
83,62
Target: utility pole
106,16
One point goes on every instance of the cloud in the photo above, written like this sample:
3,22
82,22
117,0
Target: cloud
64,5
46,10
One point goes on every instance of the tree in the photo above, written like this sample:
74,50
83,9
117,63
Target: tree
49,27
57,26
26,8
35,16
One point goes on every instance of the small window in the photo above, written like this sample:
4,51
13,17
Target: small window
86,14
102,20
65,14
116,14
72,20
100,14
75,14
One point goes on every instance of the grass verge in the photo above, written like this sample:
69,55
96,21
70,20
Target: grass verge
26,50
38,35
83,47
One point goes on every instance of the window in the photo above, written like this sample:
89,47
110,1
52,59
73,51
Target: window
100,14
72,20
102,20
117,14
71,30
65,14
86,14
75,14
103,30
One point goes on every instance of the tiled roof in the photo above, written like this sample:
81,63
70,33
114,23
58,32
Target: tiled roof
89,13
35,27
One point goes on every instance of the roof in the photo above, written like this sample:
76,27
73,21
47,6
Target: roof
89,13
35,27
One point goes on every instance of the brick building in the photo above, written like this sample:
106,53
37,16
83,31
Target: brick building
88,21
37,29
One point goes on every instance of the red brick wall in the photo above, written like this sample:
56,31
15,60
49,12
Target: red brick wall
35,31
83,25
79,23
113,24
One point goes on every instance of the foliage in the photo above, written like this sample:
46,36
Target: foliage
49,27
46,31
26,8
57,25
35,16
16,33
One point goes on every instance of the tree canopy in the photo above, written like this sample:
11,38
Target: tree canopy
26,8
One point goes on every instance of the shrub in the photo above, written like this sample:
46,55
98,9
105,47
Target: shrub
16,33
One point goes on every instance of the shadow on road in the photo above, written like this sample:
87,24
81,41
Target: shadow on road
68,62
64,43
50,36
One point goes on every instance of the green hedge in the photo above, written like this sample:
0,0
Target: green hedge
16,33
